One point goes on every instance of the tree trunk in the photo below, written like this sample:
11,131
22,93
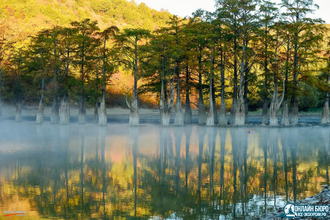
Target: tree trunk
103,113
165,119
215,110
54,117
246,91
40,114
325,113
273,113
65,111
201,107
233,111
222,115
134,119
234,102
210,121
82,111
294,107
187,113
18,115
265,98
240,111
178,117
285,114
96,112
210,116
285,109
201,111
240,108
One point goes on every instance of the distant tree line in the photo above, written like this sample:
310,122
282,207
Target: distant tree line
245,49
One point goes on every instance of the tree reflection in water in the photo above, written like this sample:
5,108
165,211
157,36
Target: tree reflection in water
117,172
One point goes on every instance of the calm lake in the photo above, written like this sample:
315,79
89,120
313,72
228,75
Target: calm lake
150,172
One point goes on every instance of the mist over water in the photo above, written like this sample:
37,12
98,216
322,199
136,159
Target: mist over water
87,171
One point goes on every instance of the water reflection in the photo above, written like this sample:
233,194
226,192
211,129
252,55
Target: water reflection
84,172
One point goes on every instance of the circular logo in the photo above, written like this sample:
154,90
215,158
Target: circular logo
289,211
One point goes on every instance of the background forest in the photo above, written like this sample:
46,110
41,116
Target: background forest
247,55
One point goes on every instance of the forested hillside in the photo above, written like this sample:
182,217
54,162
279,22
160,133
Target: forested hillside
26,17
246,55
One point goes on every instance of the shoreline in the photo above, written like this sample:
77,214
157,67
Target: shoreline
151,116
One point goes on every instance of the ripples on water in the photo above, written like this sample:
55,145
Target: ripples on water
191,172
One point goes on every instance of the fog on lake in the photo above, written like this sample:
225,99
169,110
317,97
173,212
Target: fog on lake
153,172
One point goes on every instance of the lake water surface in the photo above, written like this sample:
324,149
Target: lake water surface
150,172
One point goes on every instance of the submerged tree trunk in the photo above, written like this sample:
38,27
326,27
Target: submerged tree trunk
325,113
240,111
285,113
103,112
82,111
40,114
54,117
18,115
134,119
96,111
65,111
187,113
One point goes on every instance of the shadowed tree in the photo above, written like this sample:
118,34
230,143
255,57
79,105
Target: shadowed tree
305,32
247,23
268,14
177,53
199,29
40,51
54,38
107,68
231,12
85,45
67,42
129,43
276,102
